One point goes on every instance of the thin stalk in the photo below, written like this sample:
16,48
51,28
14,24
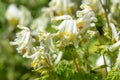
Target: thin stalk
104,6
98,35
86,55
105,64
75,62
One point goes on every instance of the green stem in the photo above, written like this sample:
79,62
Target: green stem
74,60
104,6
101,43
105,64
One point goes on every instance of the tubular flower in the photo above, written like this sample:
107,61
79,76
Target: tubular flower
46,41
94,4
63,17
25,16
114,46
12,14
47,12
38,58
100,62
114,32
39,24
16,16
115,36
42,54
115,2
24,42
86,18
115,6
67,31
61,6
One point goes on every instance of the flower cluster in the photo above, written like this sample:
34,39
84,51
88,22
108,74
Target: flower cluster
46,42
24,41
68,33
86,18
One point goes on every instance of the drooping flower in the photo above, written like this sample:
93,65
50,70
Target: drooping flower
47,12
86,18
15,16
114,32
25,16
61,6
24,42
12,14
46,40
39,24
43,53
94,4
63,17
100,62
115,36
38,58
115,7
114,46
67,30
115,2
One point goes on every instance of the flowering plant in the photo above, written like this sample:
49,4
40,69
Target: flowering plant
66,43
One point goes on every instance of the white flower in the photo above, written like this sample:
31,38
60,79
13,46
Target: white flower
67,31
25,16
114,46
39,24
114,32
46,52
24,42
12,14
61,6
94,4
115,36
46,40
37,57
114,2
43,53
16,16
115,7
100,62
47,12
63,17
91,33
86,18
